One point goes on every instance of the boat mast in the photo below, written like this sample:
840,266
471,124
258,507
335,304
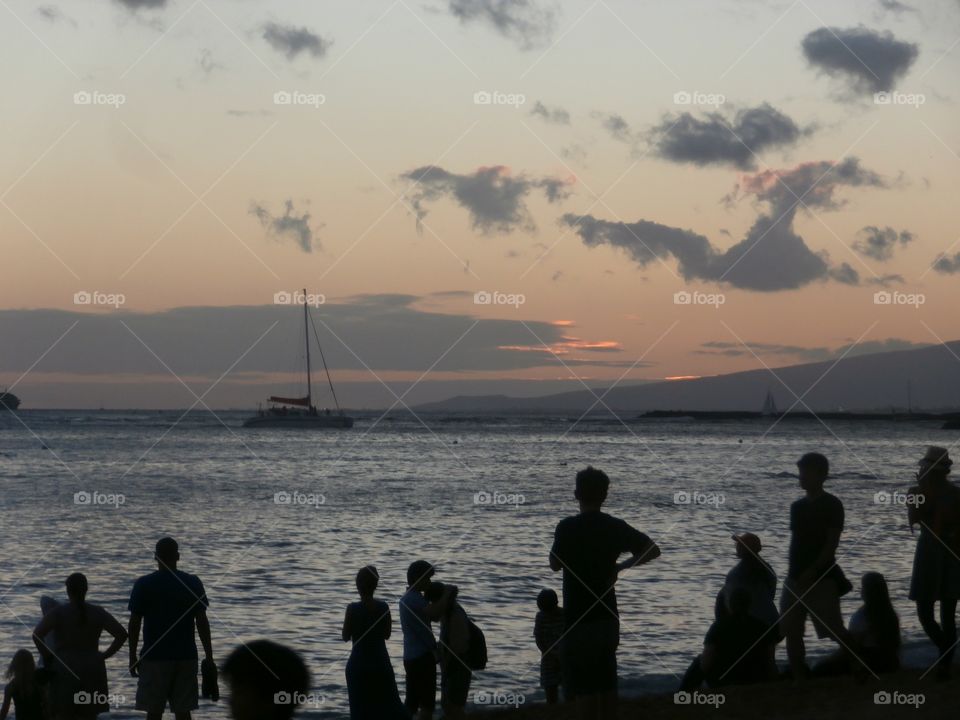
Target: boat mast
306,337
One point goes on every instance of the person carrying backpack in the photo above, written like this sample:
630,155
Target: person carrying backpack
462,650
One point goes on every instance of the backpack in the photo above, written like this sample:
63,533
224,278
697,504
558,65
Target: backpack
477,651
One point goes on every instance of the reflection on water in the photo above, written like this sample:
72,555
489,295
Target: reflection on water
277,523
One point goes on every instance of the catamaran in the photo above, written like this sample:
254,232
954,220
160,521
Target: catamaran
300,412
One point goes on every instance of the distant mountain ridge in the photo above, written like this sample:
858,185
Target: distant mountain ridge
863,382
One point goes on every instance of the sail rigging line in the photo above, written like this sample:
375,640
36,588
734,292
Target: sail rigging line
333,392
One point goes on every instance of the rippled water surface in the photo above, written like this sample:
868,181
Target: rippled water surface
390,492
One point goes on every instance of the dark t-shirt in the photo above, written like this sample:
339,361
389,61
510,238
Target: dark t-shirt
741,644
588,546
810,520
168,601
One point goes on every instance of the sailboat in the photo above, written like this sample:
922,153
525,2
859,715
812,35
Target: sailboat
769,406
300,412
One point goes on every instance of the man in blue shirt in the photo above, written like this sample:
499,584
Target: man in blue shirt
168,603
419,644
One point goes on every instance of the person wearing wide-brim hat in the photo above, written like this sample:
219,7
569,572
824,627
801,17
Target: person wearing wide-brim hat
934,505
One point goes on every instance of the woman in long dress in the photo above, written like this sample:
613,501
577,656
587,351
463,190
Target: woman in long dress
371,683
78,688
934,504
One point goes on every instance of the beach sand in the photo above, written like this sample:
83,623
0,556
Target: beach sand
826,699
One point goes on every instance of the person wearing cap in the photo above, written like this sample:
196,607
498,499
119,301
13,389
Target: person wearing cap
934,505
753,574
168,604
588,547
815,583
419,644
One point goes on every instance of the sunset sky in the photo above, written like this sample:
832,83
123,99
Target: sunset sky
583,162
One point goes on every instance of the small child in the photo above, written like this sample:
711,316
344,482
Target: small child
548,629
22,688
268,681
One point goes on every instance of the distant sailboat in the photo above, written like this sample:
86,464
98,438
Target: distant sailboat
769,405
302,413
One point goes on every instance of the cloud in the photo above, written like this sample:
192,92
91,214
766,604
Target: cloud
138,4
864,60
947,265
880,243
287,226
495,199
616,125
771,257
291,41
809,354
718,140
524,22
553,115
896,7
207,63
53,14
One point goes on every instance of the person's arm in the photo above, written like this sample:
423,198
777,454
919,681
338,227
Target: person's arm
42,629
346,633
203,632
825,560
913,509
113,627
133,634
538,634
641,547
555,563
5,710
387,625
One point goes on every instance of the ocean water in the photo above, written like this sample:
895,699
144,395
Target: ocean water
479,497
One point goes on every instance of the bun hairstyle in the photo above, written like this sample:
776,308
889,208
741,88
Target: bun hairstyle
77,587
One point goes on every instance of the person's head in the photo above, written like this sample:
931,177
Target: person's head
21,668
591,488
167,553
367,580
419,574
873,589
77,587
547,600
747,545
738,601
433,591
267,681
813,469
935,464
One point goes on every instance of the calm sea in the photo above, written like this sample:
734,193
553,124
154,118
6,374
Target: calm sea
479,497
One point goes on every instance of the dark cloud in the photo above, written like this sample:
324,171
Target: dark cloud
771,257
896,7
718,140
495,199
288,226
554,115
525,22
291,41
866,61
880,243
810,354
53,14
137,4
617,126
947,265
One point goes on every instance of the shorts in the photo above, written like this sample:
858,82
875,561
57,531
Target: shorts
455,684
821,602
163,682
421,683
589,656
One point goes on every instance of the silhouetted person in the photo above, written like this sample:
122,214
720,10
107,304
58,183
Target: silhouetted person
455,673
814,581
78,686
753,574
419,645
548,630
936,567
22,688
168,603
267,681
875,628
737,650
371,684
587,547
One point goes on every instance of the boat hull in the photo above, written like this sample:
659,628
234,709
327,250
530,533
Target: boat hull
296,422
9,401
